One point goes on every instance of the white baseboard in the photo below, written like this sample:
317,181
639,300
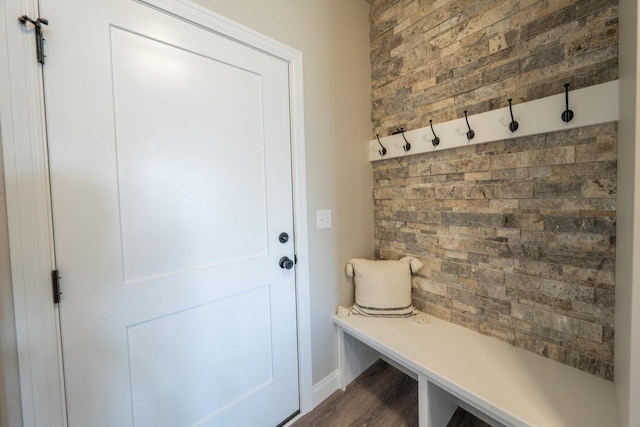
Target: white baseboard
361,358
326,387
323,389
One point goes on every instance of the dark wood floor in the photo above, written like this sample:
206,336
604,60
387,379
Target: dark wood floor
381,397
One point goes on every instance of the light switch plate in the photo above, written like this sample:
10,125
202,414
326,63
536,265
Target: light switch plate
323,219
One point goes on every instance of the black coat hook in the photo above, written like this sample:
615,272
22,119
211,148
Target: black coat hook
471,133
406,147
513,126
567,114
435,141
384,150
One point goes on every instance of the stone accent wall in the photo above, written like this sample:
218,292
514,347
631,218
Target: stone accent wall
434,59
517,238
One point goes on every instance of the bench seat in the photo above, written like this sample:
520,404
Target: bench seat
512,386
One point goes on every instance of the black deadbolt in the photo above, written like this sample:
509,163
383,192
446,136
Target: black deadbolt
284,237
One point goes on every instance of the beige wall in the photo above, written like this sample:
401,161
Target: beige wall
627,343
10,412
333,36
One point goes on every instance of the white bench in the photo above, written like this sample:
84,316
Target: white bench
455,365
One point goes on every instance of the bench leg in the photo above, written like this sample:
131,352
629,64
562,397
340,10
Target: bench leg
342,360
435,405
354,357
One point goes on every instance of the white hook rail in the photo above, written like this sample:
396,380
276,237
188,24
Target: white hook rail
591,105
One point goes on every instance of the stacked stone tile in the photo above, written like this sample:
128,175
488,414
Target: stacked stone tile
433,59
517,238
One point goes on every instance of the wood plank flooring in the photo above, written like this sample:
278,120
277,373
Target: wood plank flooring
381,397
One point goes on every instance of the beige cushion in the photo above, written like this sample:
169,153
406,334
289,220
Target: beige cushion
383,288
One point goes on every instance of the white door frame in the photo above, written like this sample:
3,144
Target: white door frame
23,134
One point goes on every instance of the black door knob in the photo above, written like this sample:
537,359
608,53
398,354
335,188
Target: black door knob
286,263
284,237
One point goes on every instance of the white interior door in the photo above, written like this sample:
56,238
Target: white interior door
171,183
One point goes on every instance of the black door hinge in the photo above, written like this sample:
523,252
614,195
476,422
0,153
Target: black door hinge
37,23
295,259
55,281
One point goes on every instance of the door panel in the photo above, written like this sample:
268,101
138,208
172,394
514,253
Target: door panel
171,178
171,181
192,359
